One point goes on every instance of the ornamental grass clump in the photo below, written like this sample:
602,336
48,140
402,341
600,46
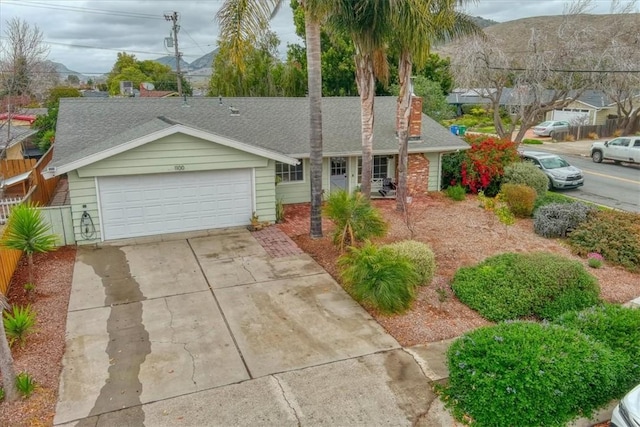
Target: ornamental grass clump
19,323
528,374
514,286
379,277
355,219
520,198
595,260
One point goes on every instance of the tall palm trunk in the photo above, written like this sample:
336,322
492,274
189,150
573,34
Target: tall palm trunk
366,82
403,111
6,360
314,76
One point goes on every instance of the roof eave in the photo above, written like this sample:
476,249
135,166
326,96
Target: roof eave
104,154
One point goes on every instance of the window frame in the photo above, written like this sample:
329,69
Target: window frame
373,168
289,171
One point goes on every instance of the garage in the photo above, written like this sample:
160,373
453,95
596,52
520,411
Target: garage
572,116
145,205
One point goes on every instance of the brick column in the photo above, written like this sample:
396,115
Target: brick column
417,175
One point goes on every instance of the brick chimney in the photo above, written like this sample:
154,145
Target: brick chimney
415,118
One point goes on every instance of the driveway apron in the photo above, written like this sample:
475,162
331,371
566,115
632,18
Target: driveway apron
215,331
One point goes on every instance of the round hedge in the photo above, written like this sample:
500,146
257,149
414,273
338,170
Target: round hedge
616,326
528,374
420,255
528,174
538,284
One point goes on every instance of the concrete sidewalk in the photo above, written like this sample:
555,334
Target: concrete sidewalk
213,330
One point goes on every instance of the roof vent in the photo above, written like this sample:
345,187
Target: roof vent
234,111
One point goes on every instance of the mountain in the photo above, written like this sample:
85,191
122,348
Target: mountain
171,62
64,72
514,35
204,61
483,23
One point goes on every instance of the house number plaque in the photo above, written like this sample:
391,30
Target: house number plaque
179,167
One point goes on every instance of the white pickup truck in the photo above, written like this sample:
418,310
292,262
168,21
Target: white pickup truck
624,149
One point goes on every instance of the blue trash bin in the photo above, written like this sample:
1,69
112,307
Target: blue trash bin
454,129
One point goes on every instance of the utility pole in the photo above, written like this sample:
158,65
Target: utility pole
173,17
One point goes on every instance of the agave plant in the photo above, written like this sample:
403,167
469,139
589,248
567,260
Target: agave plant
27,232
355,219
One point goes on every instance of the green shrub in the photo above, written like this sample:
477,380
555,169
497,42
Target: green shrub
559,219
452,168
355,219
528,174
19,323
456,192
530,141
1,394
420,255
550,197
520,198
613,234
377,276
528,374
538,284
484,163
25,384
616,326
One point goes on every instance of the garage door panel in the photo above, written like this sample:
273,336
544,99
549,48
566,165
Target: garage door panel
143,205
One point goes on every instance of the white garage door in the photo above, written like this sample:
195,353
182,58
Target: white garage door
143,205
571,116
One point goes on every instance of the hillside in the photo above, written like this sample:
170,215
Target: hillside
514,35
64,72
204,61
171,62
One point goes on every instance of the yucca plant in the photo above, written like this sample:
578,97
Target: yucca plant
355,219
378,276
19,323
27,232
25,384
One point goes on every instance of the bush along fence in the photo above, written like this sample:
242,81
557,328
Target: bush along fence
582,132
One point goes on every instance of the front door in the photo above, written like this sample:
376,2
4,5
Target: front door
338,173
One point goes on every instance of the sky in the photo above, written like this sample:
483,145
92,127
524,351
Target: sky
86,35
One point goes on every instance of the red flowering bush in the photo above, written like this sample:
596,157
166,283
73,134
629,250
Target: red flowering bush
484,162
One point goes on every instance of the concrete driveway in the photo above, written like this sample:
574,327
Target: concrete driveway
212,330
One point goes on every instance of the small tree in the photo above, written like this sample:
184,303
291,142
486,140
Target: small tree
27,232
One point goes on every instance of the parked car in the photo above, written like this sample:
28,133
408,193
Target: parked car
549,127
625,149
561,174
627,413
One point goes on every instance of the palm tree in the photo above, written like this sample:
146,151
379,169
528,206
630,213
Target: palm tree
241,23
416,24
367,21
27,232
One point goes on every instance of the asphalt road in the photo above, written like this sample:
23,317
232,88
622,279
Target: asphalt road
616,186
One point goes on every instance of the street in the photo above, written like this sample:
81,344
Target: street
608,184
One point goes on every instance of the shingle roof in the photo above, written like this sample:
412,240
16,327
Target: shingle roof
14,135
88,126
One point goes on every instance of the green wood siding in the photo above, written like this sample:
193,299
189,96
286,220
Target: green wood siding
298,191
60,220
434,171
82,192
175,151
265,192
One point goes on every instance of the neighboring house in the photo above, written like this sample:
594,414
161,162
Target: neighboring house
148,91
14,139
593,107
139,167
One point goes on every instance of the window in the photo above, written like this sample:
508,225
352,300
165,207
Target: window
289,173
380,167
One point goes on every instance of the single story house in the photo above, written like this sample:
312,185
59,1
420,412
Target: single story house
145,166
13,140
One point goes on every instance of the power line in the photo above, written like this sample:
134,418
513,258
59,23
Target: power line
84,10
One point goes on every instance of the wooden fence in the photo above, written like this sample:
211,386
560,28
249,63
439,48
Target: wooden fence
40,192
582,132
11,168
9,259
